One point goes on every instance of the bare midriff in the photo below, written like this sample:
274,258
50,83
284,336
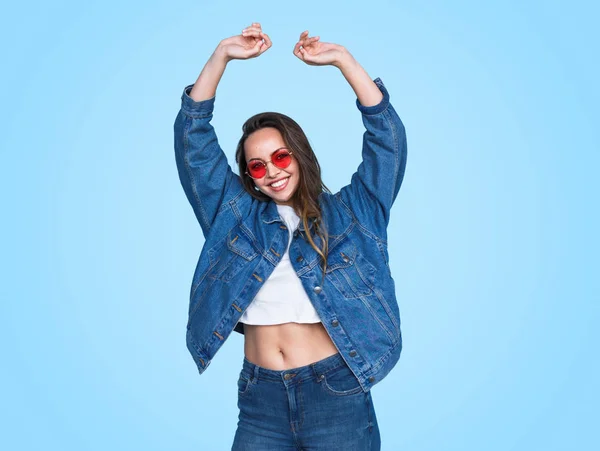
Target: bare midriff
283,346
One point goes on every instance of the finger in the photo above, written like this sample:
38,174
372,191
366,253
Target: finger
307,57
267,40
296,50
301,43
302,54
298,54
303,35
251,29
251,33
309,41
255,51
254,25
266,45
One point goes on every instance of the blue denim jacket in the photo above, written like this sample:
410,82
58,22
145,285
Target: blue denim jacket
245,239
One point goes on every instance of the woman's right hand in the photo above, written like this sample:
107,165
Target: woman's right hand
250,44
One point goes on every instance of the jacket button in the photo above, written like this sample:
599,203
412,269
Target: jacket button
371,379
352,353
335,323
299,258
317,289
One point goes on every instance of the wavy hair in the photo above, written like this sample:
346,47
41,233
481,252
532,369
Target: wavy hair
305,199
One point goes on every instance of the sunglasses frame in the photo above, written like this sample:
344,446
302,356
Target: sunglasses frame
269,161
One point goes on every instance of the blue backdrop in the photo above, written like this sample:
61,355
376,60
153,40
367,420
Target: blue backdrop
493,238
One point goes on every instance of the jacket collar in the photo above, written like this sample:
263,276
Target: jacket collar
270,215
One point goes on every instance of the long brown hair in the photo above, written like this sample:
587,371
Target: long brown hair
306,198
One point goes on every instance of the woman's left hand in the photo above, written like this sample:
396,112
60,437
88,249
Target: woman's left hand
316,53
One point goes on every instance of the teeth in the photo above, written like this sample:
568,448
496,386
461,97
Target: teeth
279,183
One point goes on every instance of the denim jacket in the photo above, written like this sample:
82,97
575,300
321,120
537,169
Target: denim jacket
245,239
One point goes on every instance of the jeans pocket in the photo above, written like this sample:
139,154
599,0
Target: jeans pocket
340,382
244,384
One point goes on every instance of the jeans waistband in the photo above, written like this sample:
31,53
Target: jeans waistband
301,373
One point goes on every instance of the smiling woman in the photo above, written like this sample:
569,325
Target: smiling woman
275,173
291,265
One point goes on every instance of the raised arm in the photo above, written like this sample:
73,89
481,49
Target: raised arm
375,184
204,172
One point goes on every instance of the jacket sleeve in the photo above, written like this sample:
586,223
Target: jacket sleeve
205,175
375,185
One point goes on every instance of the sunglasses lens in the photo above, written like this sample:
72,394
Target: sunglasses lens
257,169
282,158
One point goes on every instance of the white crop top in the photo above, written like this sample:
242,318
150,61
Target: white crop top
282,298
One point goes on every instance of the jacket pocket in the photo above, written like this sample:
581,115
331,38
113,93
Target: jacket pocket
231,256
343,272
356,278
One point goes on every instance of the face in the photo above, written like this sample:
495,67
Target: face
279,184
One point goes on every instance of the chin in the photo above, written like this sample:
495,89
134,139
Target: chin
282,198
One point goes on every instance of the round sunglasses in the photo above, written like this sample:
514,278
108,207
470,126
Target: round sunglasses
257,168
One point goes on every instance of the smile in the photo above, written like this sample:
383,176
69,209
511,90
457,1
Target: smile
280,184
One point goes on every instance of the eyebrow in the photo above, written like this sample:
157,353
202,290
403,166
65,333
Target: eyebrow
282,147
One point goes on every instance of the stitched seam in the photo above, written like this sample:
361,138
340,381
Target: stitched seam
373,312
238,215
196,347
386,307
203,214
396,154
367,232
375,367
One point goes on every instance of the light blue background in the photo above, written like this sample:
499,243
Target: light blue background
493,238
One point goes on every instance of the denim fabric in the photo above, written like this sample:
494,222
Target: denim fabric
320,406
245,238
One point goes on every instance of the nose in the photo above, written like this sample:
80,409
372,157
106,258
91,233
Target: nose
272,170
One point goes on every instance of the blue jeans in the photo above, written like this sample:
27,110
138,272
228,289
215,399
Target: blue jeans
320,406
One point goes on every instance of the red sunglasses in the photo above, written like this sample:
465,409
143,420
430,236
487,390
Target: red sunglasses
257,168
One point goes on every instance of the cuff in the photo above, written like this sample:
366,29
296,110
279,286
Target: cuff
193,108
381,106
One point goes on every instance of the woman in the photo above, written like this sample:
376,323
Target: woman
301,272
